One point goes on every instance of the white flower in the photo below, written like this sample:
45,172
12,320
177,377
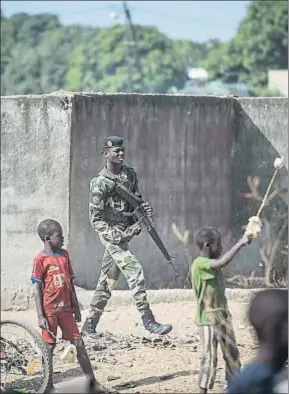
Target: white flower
279,163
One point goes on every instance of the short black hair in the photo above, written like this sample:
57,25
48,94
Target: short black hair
268,309
106,149
48,227
207,235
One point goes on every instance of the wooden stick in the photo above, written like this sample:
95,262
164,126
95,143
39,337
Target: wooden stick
267,193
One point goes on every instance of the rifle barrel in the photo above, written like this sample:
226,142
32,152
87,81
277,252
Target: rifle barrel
140,214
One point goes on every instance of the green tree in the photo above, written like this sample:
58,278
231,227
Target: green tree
21,61
102,64
56,49
39,55
32,28
76,64
260,44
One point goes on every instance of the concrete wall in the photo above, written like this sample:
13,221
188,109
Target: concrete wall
264,121
192,155
35,156
183,162
261,135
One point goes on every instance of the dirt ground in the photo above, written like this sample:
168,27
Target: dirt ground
127,359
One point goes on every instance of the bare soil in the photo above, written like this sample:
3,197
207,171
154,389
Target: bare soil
127,358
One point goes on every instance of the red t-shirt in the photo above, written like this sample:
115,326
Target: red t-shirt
55,273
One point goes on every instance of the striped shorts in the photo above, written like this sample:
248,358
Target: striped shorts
221,333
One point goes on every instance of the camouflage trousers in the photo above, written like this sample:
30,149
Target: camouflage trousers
119,259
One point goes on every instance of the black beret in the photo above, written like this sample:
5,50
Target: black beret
112,141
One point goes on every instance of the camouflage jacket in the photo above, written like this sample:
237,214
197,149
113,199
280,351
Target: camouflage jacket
109,215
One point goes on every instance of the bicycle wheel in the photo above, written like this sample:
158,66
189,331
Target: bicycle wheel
25,363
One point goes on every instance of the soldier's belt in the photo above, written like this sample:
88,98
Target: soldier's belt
117,217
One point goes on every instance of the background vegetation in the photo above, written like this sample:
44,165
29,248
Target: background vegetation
40,55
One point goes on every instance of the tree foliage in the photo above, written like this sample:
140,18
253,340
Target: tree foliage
39,55
260,44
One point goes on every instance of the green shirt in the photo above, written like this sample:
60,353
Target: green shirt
209,290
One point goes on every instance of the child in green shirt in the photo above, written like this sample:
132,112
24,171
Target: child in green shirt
213,316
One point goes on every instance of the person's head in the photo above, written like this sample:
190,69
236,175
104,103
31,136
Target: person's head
50,232
113,150
209,241
268,314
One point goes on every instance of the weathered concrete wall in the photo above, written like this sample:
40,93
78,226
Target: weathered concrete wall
269,119
192,155
35,155
181,149
261,135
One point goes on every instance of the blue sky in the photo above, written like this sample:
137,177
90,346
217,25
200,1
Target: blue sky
192,20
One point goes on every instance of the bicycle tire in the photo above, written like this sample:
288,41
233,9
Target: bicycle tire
47,367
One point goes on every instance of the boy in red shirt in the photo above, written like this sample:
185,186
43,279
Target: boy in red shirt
55,297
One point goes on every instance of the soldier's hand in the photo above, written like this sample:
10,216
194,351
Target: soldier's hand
148,209
127,234
137,231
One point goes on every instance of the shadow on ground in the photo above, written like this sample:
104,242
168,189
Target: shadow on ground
152,380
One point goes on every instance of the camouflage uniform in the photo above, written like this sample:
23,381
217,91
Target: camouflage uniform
109,216
105,214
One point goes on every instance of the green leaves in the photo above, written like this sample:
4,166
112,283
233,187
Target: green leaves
261,43
39,55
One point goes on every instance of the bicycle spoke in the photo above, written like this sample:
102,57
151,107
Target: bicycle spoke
24,358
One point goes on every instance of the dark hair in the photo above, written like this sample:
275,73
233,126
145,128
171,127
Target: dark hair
48,227
268,309
207,235
104,149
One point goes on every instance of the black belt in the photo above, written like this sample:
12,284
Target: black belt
116,216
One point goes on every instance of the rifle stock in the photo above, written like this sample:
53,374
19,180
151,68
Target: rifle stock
140,216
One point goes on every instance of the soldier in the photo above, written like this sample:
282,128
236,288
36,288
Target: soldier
110,217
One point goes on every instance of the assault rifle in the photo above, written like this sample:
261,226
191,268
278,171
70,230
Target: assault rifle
142,220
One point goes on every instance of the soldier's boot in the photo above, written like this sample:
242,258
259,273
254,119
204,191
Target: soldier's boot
154,327
89,326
